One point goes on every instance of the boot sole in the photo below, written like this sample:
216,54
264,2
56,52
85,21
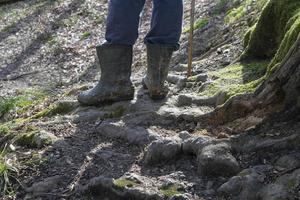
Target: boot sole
117,99
109,100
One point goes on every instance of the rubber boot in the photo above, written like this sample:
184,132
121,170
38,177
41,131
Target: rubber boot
115,84
158,58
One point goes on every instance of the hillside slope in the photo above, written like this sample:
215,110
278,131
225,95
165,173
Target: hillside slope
230,131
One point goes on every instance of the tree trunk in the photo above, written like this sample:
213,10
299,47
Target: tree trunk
280,90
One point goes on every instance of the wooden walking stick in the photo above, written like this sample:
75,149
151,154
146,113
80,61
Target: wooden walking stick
190,44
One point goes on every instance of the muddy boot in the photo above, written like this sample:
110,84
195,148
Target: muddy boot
115,84
158,58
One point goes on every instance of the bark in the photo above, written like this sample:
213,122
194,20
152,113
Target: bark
280,90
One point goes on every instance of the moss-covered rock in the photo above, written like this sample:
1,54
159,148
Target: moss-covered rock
171,189
236,79
125,182
35,139
276,21
61,107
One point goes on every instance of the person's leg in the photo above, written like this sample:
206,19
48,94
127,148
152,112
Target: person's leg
166,23
162,41
115,56
123,21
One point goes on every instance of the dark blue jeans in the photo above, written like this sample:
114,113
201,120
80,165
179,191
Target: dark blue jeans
124,16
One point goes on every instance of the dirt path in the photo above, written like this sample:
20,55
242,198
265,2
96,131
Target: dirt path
128,150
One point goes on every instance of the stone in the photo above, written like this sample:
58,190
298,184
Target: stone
89,116
184,135
189,99
289,161
180,68
281,188
246,144
107,188
174,79
163,150
216,160
44,138
46,185
246,184
198,78
181,197
133,135
36,139
194,144
274,192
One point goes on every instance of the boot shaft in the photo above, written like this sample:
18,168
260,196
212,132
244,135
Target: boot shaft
158,59
115,62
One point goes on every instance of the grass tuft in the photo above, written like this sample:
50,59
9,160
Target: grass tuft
7,175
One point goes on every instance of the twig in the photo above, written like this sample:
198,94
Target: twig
20,76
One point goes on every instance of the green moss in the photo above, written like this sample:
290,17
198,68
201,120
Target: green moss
62,107
290,37
244,173
271,29
171,190
35,160
220,7
75,90
260,4
192,79
248,36
70,21
116,112
52,40
291,183
22,101
124,182
243,88
85,35
4,130
235,14
199,24
236,79
26,139
210,90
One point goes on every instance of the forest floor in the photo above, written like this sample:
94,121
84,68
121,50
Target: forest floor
53,148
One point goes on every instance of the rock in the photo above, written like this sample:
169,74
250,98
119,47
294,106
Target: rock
289,161
184,135
172,112
120,189
195,144
133,135
281,188
274,192
36,139
181,84
180,68
188,99
179,81
174,79
247,144
89,116
44,138
47,185
163,150
181,197
216,160
198,78
189,84
246,184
